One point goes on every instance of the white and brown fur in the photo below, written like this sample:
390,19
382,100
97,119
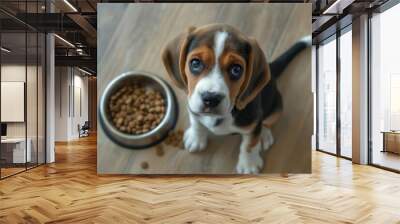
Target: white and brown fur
251,104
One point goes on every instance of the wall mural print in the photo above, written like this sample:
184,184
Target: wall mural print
213,88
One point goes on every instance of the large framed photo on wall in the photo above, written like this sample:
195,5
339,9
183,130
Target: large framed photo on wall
205,88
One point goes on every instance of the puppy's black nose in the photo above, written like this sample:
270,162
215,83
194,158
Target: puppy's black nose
211,99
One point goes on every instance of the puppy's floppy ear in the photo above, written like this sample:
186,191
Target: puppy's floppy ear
257,76
174,58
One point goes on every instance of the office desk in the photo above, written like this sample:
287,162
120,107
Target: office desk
13,150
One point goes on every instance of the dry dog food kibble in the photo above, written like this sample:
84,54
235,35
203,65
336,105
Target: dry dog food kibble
135,109
159,150
144,165
175,139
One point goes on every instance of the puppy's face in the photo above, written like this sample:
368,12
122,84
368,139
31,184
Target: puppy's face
214,64
215,71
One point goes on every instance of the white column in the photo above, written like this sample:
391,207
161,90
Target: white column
50,94
360,90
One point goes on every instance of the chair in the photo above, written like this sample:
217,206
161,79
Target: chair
84,130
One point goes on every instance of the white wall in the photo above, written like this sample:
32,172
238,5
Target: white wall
62,81
70,83
81,84
13,72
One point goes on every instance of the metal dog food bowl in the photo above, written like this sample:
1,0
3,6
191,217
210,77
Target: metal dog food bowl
155,135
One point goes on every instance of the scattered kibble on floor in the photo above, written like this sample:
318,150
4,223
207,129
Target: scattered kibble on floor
144,165
175,139
159,150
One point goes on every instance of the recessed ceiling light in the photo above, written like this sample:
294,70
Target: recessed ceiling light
64,40
70,5
5,50
338,6
84,71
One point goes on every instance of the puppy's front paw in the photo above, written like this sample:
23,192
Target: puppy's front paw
249,163
267,138
194,140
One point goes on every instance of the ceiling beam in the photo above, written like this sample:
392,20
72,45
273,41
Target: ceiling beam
337,7
320,22
81,61
85,25
49,22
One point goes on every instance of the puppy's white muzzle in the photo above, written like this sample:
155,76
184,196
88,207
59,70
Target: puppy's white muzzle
210,95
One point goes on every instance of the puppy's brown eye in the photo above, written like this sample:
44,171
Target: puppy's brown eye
235,72
196,66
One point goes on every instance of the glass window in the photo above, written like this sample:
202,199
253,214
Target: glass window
327,96
346,94
314,91
385,89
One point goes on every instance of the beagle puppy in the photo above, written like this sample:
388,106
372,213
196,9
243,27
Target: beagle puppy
230,86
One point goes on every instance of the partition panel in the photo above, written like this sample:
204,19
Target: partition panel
32,97
22,76
41,107
15,151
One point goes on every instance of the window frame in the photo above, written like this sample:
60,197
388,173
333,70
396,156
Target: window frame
381,9
334,37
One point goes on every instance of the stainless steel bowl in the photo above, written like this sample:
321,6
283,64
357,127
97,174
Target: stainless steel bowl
152,137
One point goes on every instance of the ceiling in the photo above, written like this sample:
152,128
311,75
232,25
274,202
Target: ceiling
332,15
76,22
72,20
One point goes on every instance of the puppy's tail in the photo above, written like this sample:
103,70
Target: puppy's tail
282,61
